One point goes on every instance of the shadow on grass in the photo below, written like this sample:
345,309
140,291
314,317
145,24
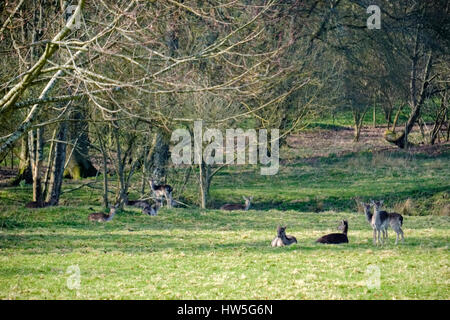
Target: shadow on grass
345,204
106,241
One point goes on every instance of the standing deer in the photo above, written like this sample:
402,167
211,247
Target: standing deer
335,238
103,217
394,219
379,223
368,212
236,206
282,239
163,190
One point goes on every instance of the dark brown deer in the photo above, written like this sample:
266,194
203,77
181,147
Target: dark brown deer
35,204
236,206
103,217
136,203
152,210
282,239
335,238
162,191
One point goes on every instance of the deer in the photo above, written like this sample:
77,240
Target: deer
163,190
367,211
236,206
393,219
152,210
379,222
282,239
103,217
136,203
336,238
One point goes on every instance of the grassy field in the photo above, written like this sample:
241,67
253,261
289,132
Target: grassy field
215,255
211,254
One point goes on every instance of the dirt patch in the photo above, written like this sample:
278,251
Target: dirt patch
323,143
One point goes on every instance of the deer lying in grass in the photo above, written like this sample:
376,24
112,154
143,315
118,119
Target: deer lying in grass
35,204
137,203
152,210
282,239
392,219
162,191
103,217
335,238
236,206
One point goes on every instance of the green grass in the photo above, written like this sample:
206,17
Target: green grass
211,254
333,183
192,254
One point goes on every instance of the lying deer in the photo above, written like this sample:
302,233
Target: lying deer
393,219
236,206
152,210
282,239
163,190
136,203
335,238
103,217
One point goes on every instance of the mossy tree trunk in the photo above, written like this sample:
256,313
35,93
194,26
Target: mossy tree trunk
79,166
24,165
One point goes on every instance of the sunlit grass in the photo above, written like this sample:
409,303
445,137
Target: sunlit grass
212,254
194,254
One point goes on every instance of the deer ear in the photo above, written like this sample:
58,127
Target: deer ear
381,202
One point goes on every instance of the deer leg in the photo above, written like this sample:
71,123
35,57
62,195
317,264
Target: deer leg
169,200
374,236
401,233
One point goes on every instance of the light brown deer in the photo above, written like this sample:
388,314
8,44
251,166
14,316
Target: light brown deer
103,217
236,206
392,219
282,239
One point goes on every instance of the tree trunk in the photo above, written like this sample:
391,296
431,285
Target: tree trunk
105,168
57,171
160,158
440,120
24,165
374,115
204,182
79,165
358,119
416,99
49,163
36,156
397,116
